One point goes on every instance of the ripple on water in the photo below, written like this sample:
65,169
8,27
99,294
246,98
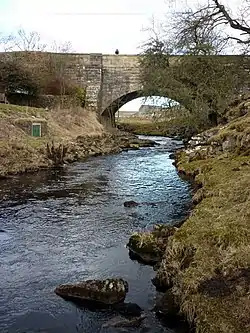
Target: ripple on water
70,225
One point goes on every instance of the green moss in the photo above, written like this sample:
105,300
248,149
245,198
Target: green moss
81,96
213,291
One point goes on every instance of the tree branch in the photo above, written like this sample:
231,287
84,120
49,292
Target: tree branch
232,22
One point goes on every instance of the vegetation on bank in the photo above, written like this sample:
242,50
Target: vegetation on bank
180,127
67,136
36,74
206,264
213,289
184,60
20,152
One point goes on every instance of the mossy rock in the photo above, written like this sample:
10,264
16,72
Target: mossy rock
109,291
142,242
152,243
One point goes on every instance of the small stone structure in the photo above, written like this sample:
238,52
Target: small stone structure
36,127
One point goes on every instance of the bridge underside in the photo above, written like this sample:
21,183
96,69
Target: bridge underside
108,115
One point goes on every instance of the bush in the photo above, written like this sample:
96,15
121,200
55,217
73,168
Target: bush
80,94
15,77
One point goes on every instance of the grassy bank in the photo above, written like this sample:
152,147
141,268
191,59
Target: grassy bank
206,264
208,259
20,152
67,136
181,127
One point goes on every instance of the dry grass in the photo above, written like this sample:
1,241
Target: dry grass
214,288
238,107
238,130
20,152
181,126
70,123
10,110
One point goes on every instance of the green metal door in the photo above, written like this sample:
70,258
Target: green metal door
36,130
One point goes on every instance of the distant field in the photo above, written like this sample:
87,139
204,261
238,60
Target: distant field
123,114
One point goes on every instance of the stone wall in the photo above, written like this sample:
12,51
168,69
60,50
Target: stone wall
105,77
120,77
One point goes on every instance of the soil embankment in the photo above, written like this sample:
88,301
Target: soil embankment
206,262
66,136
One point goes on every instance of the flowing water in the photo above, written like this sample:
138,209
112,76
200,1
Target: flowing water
70,225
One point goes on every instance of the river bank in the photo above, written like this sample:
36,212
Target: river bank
181,127
70,224
67,136
204,267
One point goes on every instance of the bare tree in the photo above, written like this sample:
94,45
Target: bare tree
58,64
23,41
220,15
65,47
196,36
233,25
25,52
180,64
31,41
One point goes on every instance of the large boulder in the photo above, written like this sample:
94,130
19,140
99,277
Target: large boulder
106,292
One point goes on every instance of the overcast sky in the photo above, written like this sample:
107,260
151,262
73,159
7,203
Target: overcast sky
91,25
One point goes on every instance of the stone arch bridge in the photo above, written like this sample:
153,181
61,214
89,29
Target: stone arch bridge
110,81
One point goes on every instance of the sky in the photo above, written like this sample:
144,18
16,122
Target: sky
92,26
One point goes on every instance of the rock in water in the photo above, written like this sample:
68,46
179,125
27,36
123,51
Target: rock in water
150,246
131,204
124,322
128,309
166,305
107,292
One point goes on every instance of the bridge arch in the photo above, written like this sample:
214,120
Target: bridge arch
108,114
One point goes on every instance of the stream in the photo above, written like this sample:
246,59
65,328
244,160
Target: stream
69,225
